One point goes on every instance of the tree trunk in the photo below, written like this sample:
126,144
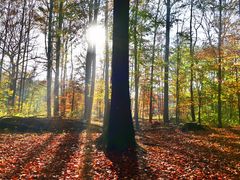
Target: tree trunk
192,64
136,66
177,82
120,133
166,64
14,88
106,92
49,58
95,15
58,54
5,38
220,67
152,63
87,98
25,58
63,81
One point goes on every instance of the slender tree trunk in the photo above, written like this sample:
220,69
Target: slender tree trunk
238,93
49,64
192,64
64,75
72,83
5,39
12,79
19,53
120,133
166,64
200,101
177,82
220,67
152,63
23,94
25,58
136,66
95,15
58,54
106,92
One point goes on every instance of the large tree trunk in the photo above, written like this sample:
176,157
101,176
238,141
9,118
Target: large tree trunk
166,64
220,67
136,66
120,133
49,58
58,54
87,98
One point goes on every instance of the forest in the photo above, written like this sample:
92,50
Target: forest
119,89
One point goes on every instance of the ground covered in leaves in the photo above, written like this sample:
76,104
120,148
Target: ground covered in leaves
162,152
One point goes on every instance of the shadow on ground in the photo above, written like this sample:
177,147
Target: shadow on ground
39,125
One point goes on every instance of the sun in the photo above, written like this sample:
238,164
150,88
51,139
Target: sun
96,36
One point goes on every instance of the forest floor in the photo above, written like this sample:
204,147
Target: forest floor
40,149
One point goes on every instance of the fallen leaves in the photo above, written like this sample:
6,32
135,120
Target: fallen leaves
162,153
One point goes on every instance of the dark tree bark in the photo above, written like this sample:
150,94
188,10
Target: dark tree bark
49,58
58,54
166,64
120,133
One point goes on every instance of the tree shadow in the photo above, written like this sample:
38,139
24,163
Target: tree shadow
196,154
30,156
39,125
234,131
130,164
66,149
87,162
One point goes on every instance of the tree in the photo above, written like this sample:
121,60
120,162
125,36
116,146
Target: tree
156,25
136,65
166,64
95,17
90,70
177,74
5,38
220,66
192,63
120,132
58,53
49,59
106,92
